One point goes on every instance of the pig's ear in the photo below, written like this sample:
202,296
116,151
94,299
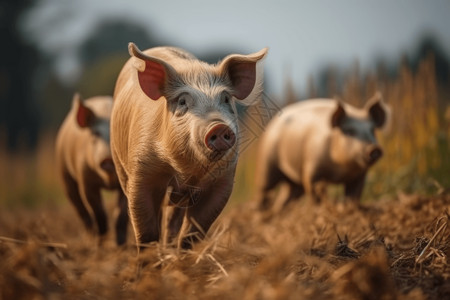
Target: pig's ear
153,73
338,114
377,110
246,75
85,117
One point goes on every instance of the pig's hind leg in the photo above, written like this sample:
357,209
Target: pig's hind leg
73,193
122,219
92,195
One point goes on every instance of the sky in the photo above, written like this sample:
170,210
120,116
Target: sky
302,36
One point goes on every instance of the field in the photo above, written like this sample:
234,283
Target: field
396,249
395,245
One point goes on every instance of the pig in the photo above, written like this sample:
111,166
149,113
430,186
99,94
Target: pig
319,141
84,162
174,131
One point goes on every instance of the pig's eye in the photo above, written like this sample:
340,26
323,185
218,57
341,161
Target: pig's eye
182,103
226,98
185,100
349,131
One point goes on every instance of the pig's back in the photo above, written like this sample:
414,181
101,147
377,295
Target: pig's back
304,115
101,106
70,142
170,54
298,135
309,111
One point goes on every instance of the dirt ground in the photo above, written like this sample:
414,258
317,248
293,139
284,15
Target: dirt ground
388,249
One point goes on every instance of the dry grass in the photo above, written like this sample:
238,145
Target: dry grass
386,250
395,248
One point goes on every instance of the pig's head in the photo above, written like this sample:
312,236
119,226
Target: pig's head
200,119
94,117
353,135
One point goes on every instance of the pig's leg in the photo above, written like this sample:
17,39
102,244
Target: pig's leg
145,210
73,193
210,204
295,192
122,219
354,189
92,195
176,221
320,191
269,180
309,182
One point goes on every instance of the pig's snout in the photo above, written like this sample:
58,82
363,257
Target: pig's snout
220,138
108,165
373,154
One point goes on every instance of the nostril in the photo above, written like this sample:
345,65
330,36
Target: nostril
375,154
220,138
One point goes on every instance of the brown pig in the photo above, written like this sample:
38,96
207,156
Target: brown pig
318,141
174,128
84,161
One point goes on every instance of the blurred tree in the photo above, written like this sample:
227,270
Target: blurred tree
429,44
328,81
290,95
99,78
19,112
112,36
104,53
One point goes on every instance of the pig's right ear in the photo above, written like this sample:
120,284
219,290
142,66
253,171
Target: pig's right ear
338,114
377,110
85,117
153,72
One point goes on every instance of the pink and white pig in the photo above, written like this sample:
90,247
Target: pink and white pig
174,127
319,141
85,164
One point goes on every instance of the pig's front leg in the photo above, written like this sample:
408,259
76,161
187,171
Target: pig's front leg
354,189
309,181
210,204
145,210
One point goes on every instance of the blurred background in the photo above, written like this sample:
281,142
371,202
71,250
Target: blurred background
54,48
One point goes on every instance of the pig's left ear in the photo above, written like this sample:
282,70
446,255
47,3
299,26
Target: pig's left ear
153,72
377,110
85,117
246,74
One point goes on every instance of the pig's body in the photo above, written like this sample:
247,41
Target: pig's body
174,124
85,164
314,142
